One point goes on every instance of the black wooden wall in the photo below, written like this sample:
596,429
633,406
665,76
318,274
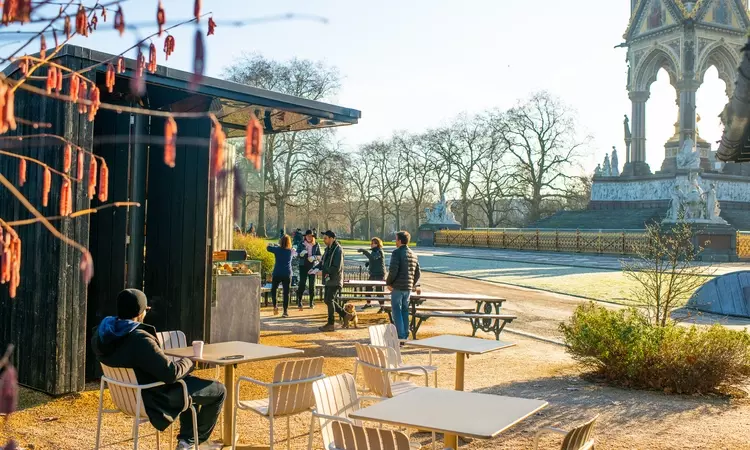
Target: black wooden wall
46,321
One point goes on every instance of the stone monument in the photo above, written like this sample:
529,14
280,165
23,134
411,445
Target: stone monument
439,217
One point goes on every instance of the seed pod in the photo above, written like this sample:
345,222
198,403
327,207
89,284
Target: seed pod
254,142
141,63
217,149
74,87
21,172
104,13
170,142
67,28
10,109
87,266
65,198
83,93
120,20
51,79
92,177
199,60
110,79
42,47
3,95
79,166
54,35
24,66
82,26
46,186
211,26
67,158
103,182
169,45
95,102
59,86
120,64
197,10
160,18
152,58
94,21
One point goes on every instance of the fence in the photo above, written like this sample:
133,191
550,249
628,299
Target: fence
743,244
625,242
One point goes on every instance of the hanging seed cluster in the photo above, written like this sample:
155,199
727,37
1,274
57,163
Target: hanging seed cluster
10,259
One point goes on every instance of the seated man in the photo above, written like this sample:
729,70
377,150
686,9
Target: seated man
125,341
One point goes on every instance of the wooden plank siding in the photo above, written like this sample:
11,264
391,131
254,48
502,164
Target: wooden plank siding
45,320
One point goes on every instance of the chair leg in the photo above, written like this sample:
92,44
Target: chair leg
433,440
99,419
158,441
195,426
234,428
436,379
310,434
288,434
135,432
270,427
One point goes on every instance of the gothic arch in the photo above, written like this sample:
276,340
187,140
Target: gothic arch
659,57
725,60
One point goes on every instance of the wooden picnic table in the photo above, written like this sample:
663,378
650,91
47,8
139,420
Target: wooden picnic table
213,354
480,416
462,346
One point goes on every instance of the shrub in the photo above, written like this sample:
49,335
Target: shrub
627,349
256,249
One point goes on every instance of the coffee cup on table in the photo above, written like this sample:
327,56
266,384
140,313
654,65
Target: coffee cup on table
198,349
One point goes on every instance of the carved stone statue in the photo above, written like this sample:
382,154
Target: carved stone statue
626,124
675,205
441,213
615,163
607,168
598,170
693,201
689,157
713,211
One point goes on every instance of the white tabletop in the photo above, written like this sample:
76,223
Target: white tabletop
451,296
212,353
480,416
364,283
460,344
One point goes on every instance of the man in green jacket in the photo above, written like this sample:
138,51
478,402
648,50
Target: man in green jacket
125,341
333,277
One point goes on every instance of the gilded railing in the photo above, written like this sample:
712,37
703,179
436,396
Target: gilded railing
743,244
568,241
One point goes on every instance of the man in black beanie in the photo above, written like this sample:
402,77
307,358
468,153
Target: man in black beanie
125,341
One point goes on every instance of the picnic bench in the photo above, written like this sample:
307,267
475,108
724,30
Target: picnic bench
265,292
484,315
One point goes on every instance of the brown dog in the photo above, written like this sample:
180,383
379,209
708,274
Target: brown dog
350,316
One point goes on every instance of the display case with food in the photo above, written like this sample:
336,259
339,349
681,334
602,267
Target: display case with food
235,298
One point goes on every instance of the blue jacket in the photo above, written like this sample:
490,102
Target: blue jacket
283,265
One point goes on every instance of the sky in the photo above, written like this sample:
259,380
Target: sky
412,65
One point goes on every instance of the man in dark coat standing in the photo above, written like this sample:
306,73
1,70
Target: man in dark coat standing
125,341
333,277
403,277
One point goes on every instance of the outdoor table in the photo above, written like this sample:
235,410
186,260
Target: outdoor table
480,416
462,346
212,354
487,304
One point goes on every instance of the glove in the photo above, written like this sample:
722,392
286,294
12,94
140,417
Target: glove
360,251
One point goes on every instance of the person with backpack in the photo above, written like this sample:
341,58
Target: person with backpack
282,272
309,255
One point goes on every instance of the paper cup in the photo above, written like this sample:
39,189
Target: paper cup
198,349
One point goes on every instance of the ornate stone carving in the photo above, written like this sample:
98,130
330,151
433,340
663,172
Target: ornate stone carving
692,204
689,156
615,170
606,167
441,213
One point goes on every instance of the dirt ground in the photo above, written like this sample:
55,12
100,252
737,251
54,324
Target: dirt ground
533,369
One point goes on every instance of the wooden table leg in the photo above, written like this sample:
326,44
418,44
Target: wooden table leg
451,440
229,403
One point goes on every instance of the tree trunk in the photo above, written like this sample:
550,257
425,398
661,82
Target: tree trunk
398,218
244,200
382,220
369,224
260,230
280,214
418,207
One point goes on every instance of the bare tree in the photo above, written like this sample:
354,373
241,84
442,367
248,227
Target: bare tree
492,189
418,171
325,169
540,138
664,271
441,151
284,152
360,179
474,142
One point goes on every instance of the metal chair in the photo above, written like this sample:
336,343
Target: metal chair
289,393
126,394
579,438
378,364
347,436
386,336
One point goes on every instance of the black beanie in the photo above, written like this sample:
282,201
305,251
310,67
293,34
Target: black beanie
131,303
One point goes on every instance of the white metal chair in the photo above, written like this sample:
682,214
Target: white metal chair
378,366
335,398
579,438
289,393
386,336
126,395
347,436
